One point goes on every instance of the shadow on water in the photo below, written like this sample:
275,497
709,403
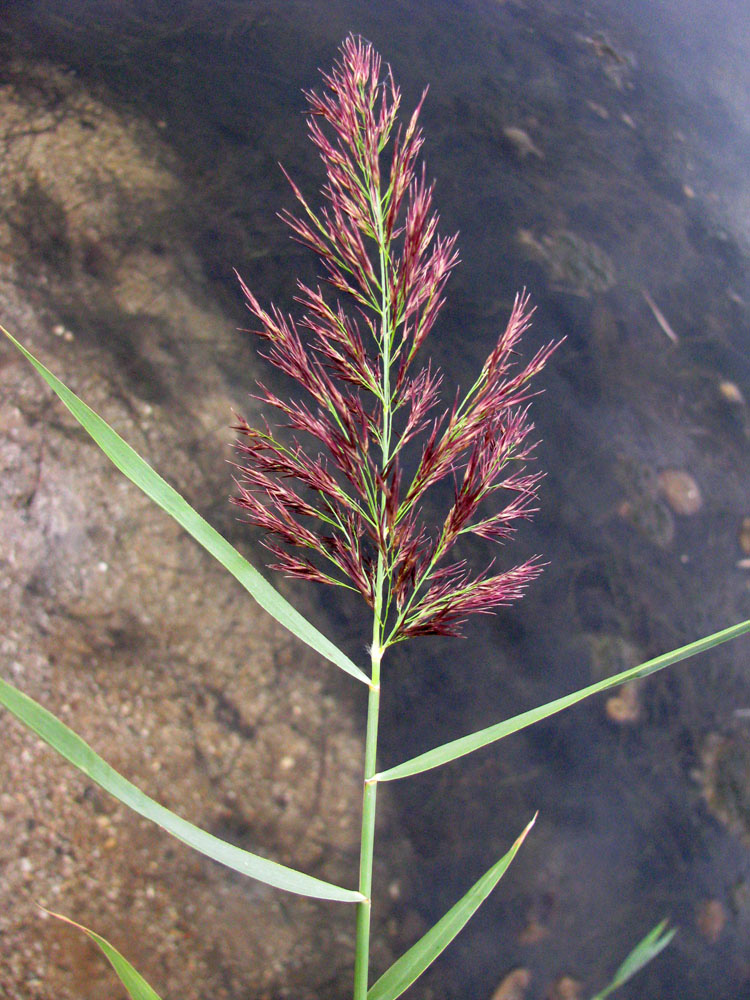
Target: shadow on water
596,156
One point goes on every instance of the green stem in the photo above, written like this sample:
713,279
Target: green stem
364,909
369,794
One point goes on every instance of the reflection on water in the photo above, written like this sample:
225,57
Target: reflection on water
596,155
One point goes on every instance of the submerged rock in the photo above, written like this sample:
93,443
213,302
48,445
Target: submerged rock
725,778
643,504
575,265
610,654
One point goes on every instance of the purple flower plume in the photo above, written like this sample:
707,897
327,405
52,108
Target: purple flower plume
335,500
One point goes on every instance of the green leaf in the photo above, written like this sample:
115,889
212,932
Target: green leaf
646,950
145,478
67,743
413,963
474,741
133,981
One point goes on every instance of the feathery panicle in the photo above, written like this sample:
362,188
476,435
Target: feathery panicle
336,505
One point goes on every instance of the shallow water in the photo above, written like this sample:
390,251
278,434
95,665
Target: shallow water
597,157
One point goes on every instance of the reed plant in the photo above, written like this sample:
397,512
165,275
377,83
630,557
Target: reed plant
339,489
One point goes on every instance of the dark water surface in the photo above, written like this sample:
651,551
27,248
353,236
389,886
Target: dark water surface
596,154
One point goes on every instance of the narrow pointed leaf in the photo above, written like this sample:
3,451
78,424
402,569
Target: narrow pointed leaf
67,743
654,942
413,963
474,741
132,980
157,489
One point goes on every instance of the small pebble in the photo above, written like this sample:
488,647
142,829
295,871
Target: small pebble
598,109
60,331
744,536
741,896
522,142
624,707
513,986
566,988
731,393
533,932
711,919
681,491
